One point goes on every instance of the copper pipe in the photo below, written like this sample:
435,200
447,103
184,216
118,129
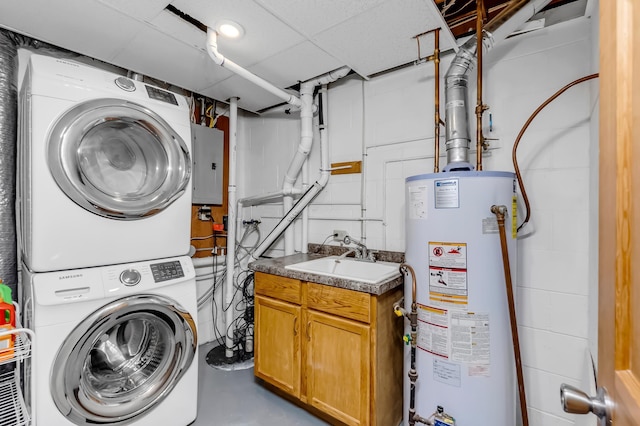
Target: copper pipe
500,212
479,105
514,156
408,267
435,57
436,62
413,417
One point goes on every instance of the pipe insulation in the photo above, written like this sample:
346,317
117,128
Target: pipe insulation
458,138
8,138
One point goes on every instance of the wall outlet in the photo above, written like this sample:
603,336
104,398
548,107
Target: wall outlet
204,213
339,235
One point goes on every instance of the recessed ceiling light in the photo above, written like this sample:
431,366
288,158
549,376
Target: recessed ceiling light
229,29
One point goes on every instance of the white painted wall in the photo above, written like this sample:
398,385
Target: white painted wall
388,123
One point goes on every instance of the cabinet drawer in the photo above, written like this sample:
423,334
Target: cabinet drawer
339,301
281,288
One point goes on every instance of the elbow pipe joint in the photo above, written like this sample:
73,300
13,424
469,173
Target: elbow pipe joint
212,47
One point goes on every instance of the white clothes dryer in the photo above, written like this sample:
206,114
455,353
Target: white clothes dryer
115,345
103,166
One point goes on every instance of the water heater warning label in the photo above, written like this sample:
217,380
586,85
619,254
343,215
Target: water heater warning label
448,274
470,341
417,203
433,330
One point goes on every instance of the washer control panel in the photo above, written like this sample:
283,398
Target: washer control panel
130,277
161,95
166,271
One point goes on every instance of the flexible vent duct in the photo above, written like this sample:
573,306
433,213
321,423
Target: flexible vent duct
456,110
8,125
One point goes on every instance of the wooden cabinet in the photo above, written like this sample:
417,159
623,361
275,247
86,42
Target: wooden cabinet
276,333
336,351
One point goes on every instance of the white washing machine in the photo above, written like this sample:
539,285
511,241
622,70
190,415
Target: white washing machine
114,345
103,168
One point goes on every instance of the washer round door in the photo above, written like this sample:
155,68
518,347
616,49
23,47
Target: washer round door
123,360
118,159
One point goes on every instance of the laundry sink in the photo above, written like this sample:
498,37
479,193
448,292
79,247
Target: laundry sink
350,269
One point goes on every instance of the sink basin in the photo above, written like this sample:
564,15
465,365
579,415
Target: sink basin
350,269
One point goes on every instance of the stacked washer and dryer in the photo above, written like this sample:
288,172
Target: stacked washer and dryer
104,205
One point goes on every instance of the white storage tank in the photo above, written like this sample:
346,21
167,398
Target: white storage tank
464,355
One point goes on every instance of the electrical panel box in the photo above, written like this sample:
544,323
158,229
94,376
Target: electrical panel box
208,164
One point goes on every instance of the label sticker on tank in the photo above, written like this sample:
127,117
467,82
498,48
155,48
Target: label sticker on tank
447,372
448,274
470,339
433,331
446,193
490,225
417,202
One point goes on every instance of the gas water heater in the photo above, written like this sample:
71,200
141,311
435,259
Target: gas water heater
464,355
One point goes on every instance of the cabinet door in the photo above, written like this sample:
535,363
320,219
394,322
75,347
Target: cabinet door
338,367
277,344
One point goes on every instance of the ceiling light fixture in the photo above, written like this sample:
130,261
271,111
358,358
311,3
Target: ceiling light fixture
229,29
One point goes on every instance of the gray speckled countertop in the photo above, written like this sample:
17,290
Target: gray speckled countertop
276,266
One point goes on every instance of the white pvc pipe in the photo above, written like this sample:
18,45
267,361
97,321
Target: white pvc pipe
231,227
325,171
265,198
304,238
218,58
304,147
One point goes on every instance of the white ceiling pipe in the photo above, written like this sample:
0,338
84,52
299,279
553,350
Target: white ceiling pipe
456,110
218,58
228,289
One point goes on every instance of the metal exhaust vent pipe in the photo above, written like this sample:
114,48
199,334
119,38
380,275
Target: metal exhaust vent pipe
456,91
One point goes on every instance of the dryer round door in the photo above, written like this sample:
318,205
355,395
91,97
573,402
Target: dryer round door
118,159
122,360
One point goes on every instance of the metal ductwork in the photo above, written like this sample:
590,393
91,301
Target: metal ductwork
458,139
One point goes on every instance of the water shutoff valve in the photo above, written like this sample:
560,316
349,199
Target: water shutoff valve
407,339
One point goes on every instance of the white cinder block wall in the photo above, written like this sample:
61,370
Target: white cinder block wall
388,123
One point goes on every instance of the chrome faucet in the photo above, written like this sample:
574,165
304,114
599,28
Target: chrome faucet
361,252
357,253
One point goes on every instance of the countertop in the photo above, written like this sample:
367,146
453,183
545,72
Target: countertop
276,266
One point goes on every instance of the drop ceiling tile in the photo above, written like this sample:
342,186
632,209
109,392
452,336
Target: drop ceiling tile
144,10
313,16
83,26
299,63
170,24
382,38
265,35
163,57
252,97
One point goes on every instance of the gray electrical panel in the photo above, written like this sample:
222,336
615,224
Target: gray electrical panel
208,164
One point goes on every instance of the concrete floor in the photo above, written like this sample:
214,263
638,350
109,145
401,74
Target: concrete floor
234,398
